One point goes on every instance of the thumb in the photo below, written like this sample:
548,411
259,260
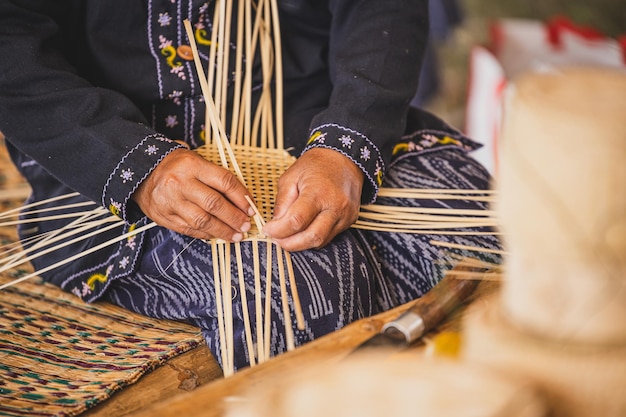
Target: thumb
284,199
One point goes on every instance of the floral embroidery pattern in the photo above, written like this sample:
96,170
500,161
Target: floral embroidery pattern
115,207
82,292
127,175
151,149
378,174
168,50
124,262
175,96
124,180
427,140
355,146
171,121
365,153
164,19
347,141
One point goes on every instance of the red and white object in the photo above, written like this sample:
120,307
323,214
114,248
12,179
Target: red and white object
519,46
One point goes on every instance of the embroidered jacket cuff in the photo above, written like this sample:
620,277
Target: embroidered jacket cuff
132,169
358,148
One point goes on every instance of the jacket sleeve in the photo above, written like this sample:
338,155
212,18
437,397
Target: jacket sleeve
93,140
375,56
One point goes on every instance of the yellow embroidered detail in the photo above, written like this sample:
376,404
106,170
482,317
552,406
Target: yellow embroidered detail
313,137
379,177
400,147
131,228
170,53
114,209
447,139
201,38
91,281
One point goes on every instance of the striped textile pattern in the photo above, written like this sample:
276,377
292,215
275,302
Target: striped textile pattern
60,356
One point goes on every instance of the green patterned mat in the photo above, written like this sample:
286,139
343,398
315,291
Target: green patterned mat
60,356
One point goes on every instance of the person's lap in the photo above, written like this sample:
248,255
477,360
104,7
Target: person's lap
175,281
359,274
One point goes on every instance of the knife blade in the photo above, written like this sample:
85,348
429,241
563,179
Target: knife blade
426,313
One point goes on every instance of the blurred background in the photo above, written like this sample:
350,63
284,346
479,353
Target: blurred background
458,25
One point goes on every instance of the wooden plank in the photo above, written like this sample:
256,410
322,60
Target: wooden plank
211,400
180,374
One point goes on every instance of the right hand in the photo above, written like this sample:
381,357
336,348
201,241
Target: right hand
192,196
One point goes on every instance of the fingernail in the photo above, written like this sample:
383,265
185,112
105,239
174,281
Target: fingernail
237,237
245,227
251,211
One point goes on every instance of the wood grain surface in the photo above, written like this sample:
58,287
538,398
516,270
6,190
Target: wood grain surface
212,399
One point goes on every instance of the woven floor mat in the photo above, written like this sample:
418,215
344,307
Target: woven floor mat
60,356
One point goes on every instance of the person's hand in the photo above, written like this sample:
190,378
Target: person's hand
318,197
190,195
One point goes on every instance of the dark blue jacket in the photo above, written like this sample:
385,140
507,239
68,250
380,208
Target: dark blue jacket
92,97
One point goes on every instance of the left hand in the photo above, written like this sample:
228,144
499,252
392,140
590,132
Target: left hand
318,197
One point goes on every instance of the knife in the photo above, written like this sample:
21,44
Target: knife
426,313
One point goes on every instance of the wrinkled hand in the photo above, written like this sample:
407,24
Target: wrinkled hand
318,197
190,195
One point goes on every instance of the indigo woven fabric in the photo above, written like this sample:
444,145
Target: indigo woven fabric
358,274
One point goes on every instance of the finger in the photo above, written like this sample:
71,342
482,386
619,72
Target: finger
297,218
319,233
228,184
286,196
210,210
191,220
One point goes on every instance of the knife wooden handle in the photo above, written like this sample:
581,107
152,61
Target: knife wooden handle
434,306
438,303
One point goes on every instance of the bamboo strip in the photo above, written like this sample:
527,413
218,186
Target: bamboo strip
51,238
467,247
258,302
208,135
393,218
479,276
49,209
244,304
50,218
237,90
225,63
379,208
212,112
219,304
258,218
219,65
67,243
390,229
18,210
268,297
224,254
278,75
248,77
284,299
475,262
400,192
425,225
78,256
294,292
